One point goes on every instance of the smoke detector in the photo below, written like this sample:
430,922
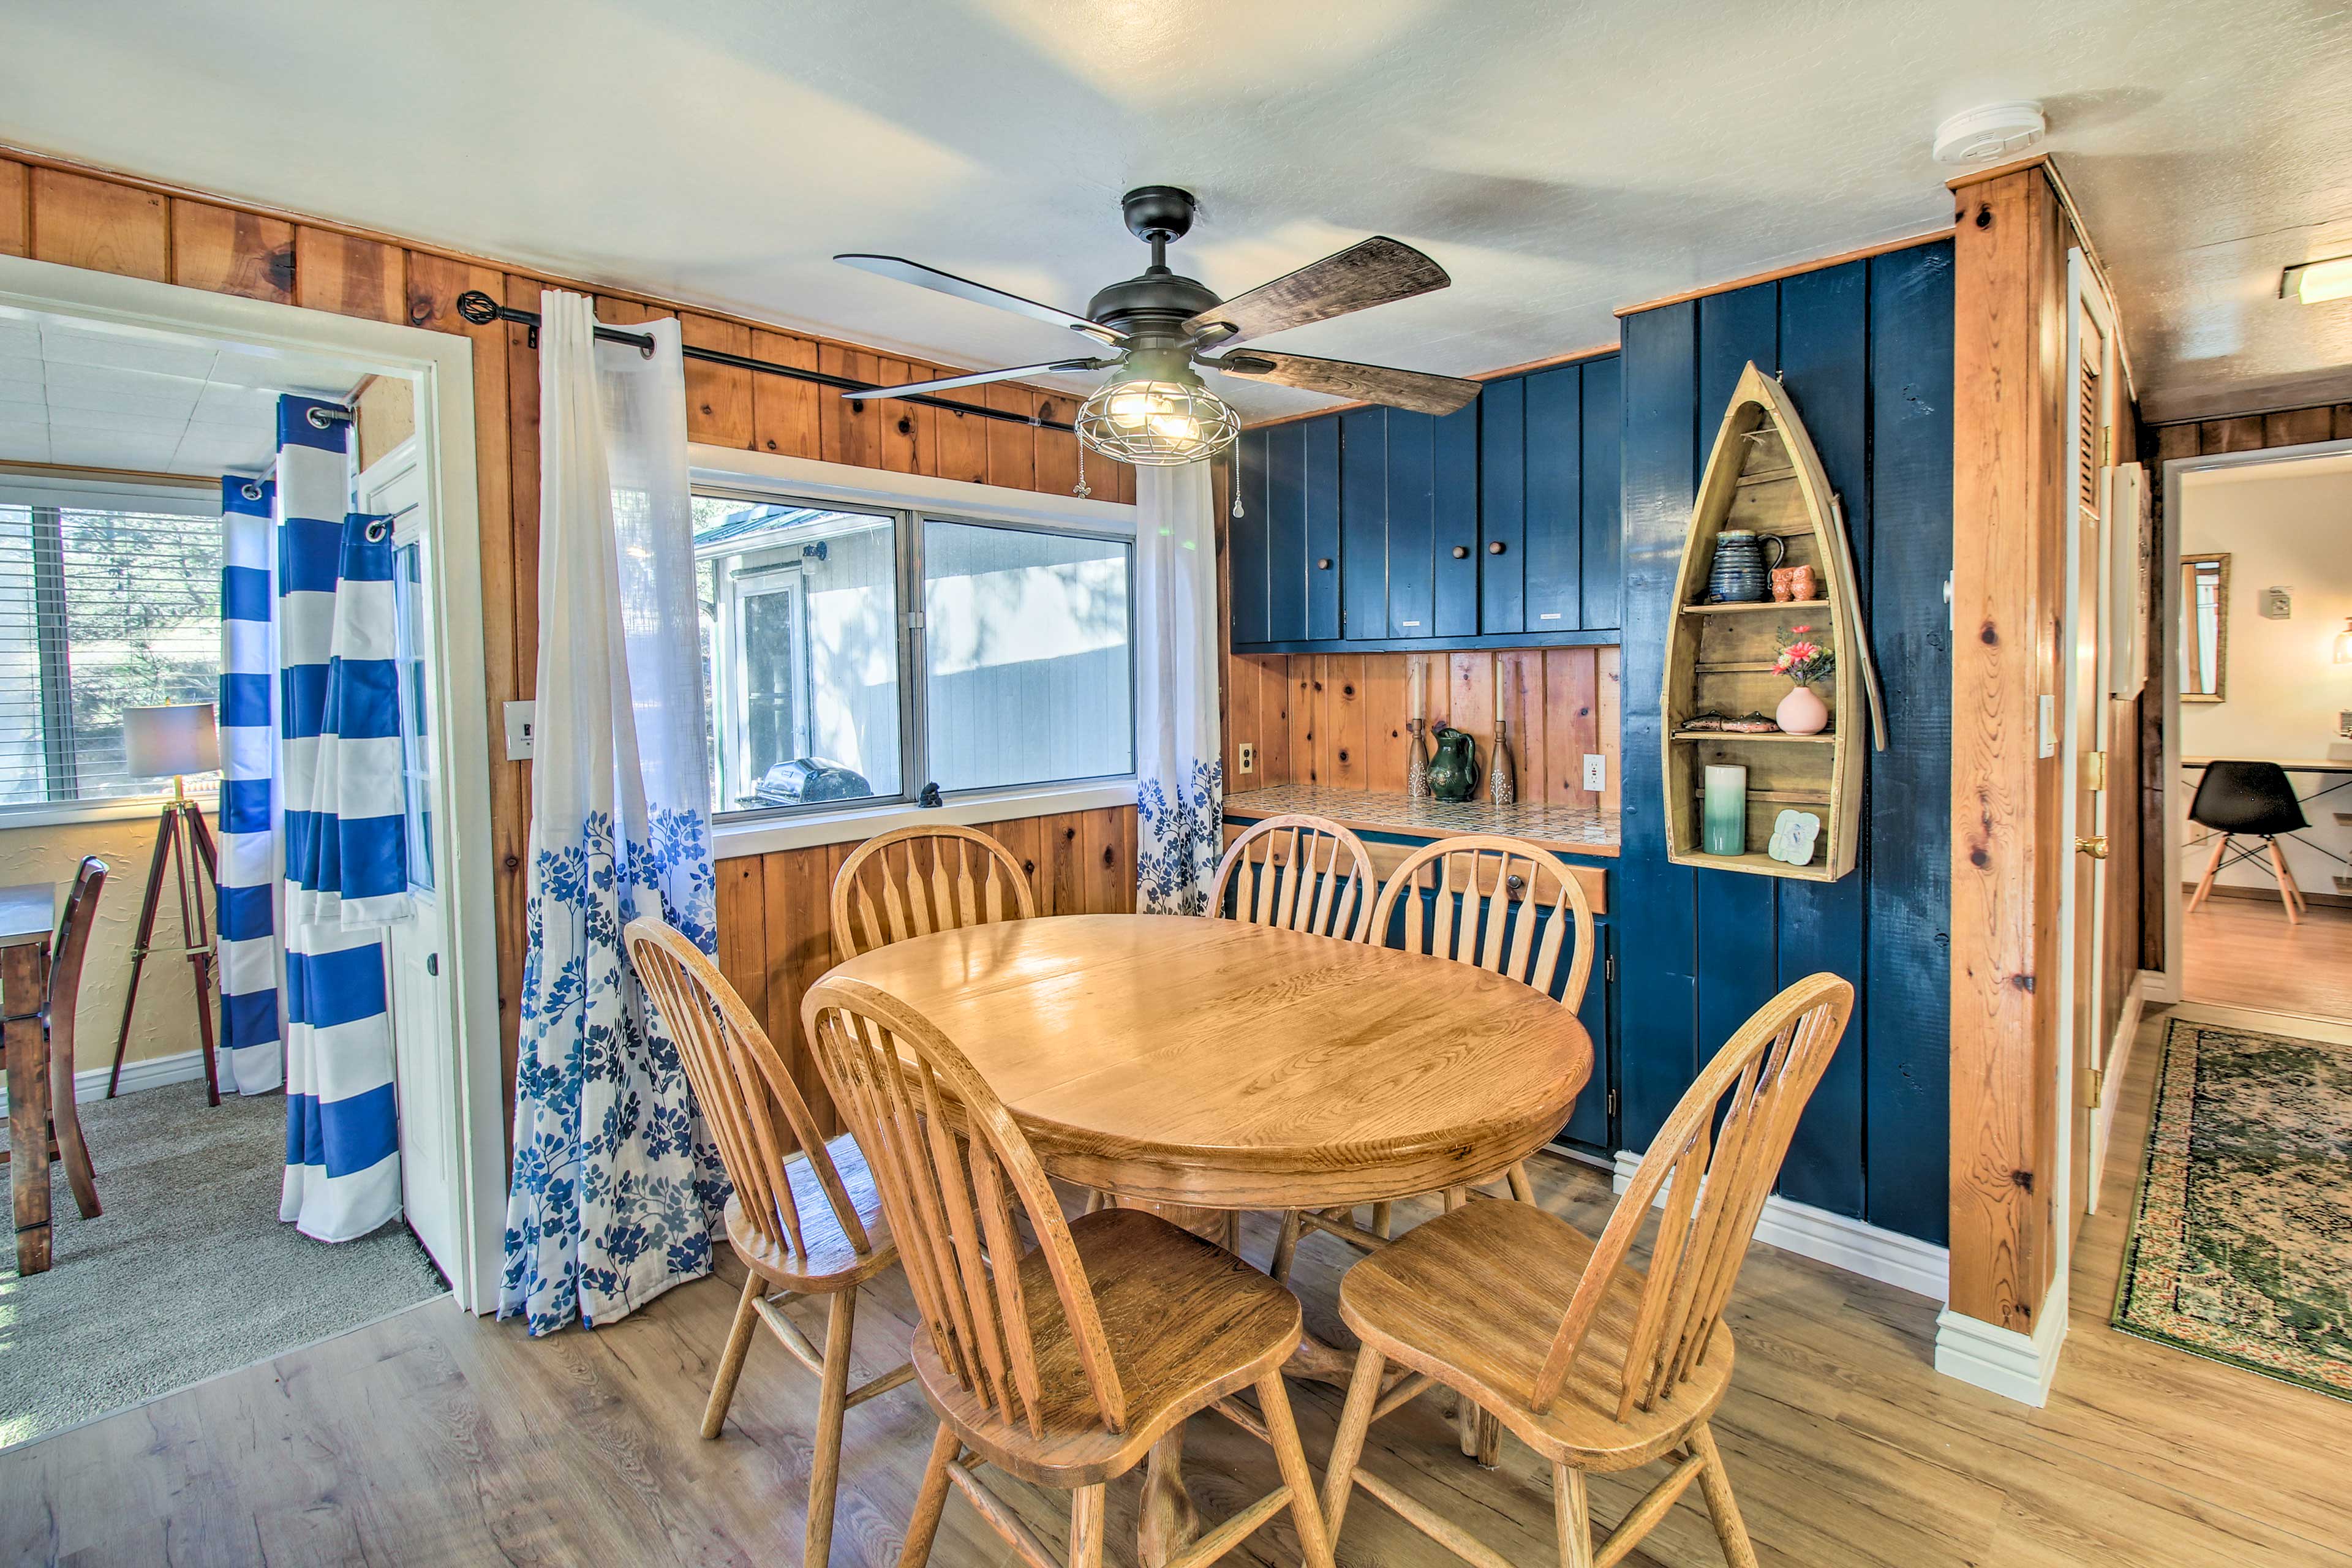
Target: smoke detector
1992,130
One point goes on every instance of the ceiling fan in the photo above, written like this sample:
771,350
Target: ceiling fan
1156,410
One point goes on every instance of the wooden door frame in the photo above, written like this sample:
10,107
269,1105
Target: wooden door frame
2084,291
440,365
2165,985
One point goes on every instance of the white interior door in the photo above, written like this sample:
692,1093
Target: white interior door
424,1058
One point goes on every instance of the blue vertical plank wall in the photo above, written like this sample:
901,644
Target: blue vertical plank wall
1865,350
1604,424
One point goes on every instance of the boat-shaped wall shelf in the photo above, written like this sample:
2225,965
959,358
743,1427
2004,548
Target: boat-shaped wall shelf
1765,477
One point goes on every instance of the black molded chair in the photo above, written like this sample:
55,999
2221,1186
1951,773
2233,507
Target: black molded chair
2252,800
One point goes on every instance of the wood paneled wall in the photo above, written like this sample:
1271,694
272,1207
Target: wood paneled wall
1337,720
775,926
1865,350
57,212
2011,430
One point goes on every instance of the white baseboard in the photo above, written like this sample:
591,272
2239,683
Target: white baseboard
153,1073
2002,1361
1903,1261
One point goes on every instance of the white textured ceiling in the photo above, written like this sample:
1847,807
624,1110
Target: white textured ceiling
1557,159
94,396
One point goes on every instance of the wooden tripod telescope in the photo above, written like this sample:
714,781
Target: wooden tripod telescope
178,741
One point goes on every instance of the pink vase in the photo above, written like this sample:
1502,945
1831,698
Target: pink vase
1802,713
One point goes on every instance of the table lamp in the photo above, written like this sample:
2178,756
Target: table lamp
176,740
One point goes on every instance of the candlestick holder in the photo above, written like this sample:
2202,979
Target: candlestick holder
1500,789
1416,761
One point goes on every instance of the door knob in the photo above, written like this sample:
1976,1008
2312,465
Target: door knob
2096,849
433,965
1461,550
1323,564
1493,547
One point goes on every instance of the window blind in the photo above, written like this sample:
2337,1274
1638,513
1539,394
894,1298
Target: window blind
102,607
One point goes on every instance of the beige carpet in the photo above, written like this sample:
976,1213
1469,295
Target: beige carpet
188,1273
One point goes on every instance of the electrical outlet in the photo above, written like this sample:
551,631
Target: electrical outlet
1596,772
1249,757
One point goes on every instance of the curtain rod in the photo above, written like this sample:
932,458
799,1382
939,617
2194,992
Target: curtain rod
481,310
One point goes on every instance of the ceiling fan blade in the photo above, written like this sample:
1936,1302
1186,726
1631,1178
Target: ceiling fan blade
914,272
980,377
1372,272
1411,389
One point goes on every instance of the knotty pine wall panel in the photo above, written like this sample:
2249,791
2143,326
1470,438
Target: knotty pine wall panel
1339,719
775,936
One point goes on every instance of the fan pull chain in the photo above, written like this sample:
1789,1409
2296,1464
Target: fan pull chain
1237,478
1080,489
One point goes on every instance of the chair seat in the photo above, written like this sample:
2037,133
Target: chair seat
831,1263
1472,1299
1187,1322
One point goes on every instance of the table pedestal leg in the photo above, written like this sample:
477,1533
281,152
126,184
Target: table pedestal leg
24,970
1169,1522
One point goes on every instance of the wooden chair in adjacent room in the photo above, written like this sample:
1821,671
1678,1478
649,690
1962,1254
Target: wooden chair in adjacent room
1470,870
918,880
804,1224
59,1002
1063,1362
2253,799
1595,1365
1306,873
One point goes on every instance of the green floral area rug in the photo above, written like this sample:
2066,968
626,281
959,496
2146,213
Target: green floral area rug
2241,1248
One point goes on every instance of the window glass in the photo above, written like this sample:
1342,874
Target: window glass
415,753
101,610
801,645
1026,658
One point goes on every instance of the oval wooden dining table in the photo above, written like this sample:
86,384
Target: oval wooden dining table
1206,1064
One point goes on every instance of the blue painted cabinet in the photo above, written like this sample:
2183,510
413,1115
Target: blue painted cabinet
1496,525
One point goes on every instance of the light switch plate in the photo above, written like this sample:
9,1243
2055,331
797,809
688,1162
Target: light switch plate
1596,770
1249,757
520,718
2049,725
2277,604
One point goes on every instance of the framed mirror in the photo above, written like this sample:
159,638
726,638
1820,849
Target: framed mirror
2204,626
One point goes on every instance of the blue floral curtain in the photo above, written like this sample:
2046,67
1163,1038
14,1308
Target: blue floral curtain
617,1188
1180,772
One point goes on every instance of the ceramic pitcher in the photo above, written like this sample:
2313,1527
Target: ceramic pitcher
1454,774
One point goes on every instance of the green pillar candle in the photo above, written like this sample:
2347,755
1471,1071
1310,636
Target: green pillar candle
1726,817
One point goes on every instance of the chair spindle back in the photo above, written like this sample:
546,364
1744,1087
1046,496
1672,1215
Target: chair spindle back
943,1150
1310,875
741,1081
1483,872
64,993
918,880
1715,1179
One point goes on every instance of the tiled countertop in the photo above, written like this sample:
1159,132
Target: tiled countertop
1570,829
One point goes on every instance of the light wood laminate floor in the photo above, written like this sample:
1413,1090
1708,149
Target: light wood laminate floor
431,1437
2241,952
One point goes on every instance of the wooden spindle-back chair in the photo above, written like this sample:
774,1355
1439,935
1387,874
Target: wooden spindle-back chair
1306,873
1063,1363
923,879
1482,908
804,1224
1631,1369
58,1003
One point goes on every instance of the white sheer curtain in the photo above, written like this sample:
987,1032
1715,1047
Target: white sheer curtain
615,1187
1180,776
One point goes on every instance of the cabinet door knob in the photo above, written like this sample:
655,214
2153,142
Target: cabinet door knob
1460,550
1493,547
1323,564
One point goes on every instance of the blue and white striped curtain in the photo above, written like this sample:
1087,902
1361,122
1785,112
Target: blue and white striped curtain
345,855
252,1032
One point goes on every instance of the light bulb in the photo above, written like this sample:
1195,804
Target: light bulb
2344,643
1177,427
